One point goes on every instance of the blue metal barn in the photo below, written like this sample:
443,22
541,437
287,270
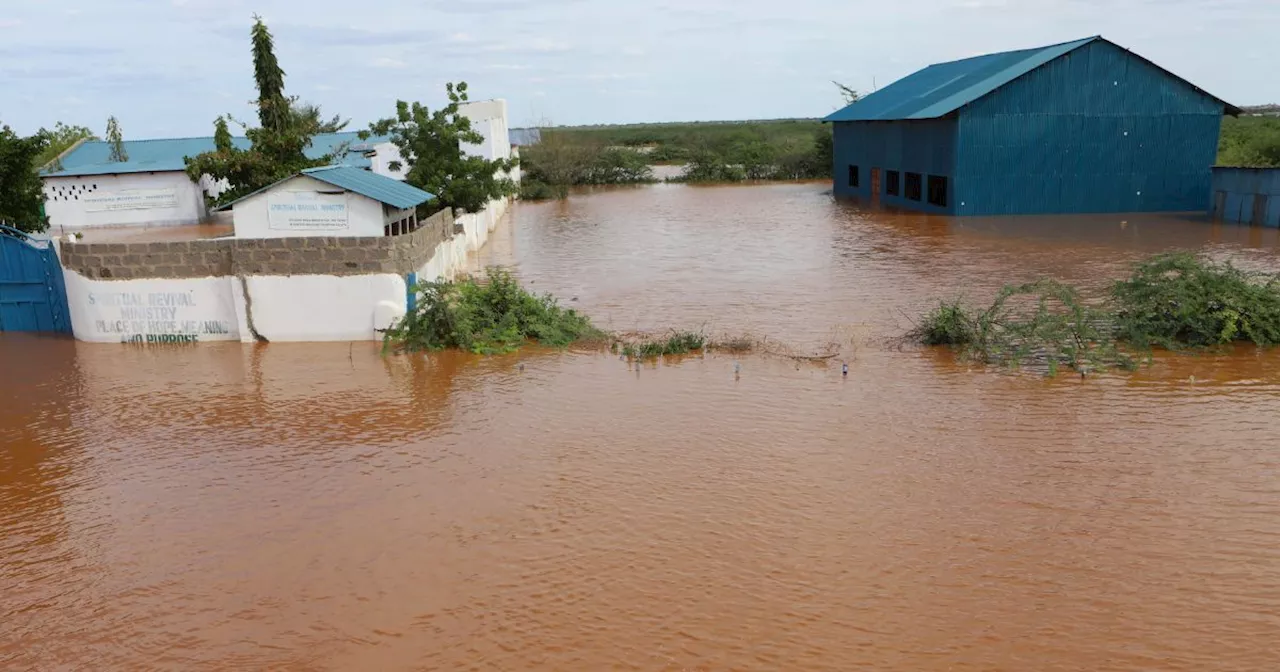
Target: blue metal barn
1084,126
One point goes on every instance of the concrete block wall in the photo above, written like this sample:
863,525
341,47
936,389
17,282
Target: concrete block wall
218,257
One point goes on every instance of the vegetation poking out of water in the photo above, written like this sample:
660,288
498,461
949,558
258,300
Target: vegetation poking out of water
1043,323
672,343
489,316
1178,300
1171,301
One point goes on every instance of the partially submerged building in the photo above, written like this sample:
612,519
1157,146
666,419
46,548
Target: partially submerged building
340,201
86,188
1080,127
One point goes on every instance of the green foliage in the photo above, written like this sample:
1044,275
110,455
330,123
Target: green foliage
432,144
1043,324
273,107
559,162
21,192
59,140
1171,301
706,165
116,139
307,116
1178,300
1250,141
949,323
486,317
276,147
711,151
222,136
674,343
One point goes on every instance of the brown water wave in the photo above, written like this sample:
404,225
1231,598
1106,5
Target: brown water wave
320,506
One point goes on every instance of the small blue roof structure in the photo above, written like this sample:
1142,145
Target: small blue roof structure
154,156
380,188
943,88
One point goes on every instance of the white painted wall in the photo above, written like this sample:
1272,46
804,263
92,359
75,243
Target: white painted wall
450,257
324,307
68,210
282,308
385,154
152,310
364,215
489,118
195,310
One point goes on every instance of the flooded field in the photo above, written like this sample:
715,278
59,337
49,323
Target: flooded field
320,506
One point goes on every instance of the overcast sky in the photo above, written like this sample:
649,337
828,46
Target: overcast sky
168,67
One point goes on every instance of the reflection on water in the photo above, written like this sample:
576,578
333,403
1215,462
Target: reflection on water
319,506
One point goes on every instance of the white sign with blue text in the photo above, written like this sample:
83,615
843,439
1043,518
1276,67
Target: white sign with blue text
307,211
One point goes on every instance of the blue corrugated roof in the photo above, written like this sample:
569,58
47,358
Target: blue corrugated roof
94,158
381,188
946,87
358,180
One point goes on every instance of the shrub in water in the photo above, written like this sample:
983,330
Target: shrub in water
675,343
1175,300
489,317
947,324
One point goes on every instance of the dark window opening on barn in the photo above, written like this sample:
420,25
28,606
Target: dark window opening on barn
893,183
853,176
938,191
913,186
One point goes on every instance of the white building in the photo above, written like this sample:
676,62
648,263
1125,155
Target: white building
329,201
86,189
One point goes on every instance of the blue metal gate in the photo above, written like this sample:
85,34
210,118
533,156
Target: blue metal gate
33,296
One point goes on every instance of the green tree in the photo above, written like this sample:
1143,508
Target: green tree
432,145
21,191
116,138
222,136
58,140
307,117
276,147
274,113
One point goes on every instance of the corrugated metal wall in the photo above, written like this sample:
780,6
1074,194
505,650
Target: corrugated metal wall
1247,196
1097,130
925,147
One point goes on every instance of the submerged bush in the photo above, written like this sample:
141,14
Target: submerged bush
486,317
674,343
1179,300
947,324
1171,301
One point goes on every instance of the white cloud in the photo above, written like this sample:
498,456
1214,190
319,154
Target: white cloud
566,49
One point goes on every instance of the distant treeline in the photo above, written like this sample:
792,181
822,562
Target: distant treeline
735,151
709,151
1250,141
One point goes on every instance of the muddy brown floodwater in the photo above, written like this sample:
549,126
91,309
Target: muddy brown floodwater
319,506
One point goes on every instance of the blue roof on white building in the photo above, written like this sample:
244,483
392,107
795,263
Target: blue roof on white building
380,188
154,156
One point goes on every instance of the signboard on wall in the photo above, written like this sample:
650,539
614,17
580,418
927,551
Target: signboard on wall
129,199
306,211
152,311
